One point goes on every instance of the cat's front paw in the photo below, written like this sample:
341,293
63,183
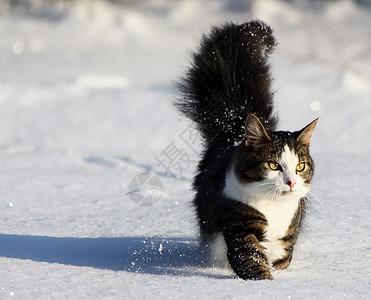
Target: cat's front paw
261,274
266,276
251,268
248,260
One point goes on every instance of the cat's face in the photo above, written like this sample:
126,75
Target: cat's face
274,165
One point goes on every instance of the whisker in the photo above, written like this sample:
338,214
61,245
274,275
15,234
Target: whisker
272,192
263,184
269,189
307,208
319,201
276,194
314,204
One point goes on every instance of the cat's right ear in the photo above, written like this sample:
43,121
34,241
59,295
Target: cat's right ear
255,131
305,135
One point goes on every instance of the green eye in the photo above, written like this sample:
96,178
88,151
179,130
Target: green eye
300,167
274,166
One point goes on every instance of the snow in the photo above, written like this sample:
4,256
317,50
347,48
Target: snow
85,106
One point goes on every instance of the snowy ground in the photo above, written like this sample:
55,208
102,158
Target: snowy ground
85,107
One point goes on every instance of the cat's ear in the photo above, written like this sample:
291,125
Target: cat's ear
255,131
305,135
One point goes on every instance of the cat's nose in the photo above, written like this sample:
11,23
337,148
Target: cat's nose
290,183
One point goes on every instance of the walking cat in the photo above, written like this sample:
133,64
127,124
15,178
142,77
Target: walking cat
252,180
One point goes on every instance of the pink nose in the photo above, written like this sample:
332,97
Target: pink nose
290,184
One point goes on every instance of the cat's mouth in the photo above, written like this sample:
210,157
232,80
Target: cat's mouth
286,193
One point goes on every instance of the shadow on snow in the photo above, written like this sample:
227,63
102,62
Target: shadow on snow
155,255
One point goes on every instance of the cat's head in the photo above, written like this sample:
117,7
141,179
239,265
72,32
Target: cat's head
274,165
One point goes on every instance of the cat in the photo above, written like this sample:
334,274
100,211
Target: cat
252,180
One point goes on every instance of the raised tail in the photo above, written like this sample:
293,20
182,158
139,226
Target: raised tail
229,79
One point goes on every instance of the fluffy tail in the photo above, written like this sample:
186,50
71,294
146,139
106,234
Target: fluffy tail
228,80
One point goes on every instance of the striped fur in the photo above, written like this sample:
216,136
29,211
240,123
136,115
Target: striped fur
249,193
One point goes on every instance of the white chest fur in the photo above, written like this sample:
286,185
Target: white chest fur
278,211
279,215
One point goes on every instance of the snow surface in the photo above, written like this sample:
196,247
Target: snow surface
85,106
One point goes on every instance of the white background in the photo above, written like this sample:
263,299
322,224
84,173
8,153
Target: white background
85,106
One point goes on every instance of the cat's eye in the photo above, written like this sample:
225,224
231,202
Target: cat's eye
300,167
274,166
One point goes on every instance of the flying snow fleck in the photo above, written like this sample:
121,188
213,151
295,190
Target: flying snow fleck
315,105
18,47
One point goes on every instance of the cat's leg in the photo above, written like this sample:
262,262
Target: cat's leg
247,258
218,251
290,239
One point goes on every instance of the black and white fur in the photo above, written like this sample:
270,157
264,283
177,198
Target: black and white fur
252,180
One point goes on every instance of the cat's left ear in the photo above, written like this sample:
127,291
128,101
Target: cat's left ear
255,132
305,135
